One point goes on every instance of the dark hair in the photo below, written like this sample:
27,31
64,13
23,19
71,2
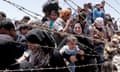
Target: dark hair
41,37
82,16
3,14
7,25
45,8
71,38
110,19
75,24
56,12
50,7
22,27
26,17
17,21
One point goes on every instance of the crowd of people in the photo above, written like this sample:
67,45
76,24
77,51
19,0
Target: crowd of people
86,36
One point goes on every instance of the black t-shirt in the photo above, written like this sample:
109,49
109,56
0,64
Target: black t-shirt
8,54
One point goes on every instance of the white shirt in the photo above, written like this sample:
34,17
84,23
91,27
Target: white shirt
59,24
67,49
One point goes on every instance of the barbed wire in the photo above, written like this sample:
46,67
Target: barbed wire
59,33
80,35
20,8
112,7
40,46
55,68
51,68
83,36
117,2
27,13
73,2
49,30
69,5
23,9
66,1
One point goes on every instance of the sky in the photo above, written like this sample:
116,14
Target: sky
36,6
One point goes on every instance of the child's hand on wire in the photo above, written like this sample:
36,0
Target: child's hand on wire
73,59
81,52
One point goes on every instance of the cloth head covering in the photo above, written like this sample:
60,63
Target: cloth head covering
65,12
99,20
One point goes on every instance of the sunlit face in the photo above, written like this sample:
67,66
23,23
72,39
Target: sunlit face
77,29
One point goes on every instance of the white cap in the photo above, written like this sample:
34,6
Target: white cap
99,20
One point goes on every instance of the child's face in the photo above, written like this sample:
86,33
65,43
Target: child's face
24,31
72,45
53,15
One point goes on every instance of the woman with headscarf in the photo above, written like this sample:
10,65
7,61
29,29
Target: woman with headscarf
77,30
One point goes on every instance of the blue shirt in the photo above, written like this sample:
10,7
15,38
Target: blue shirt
98,13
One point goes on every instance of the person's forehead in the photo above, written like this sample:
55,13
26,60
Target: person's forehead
77,25
73,42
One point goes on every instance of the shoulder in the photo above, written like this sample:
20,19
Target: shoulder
65,47
4,38
59,21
